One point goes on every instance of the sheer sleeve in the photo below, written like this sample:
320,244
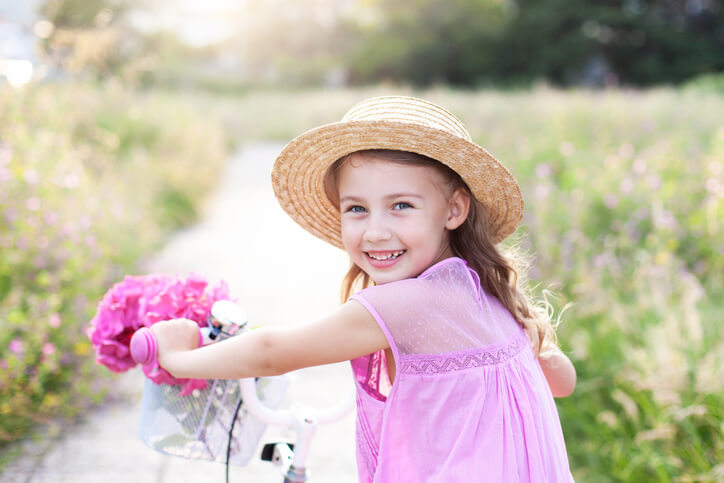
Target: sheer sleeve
443,310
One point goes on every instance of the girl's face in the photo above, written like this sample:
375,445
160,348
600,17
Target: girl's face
396,217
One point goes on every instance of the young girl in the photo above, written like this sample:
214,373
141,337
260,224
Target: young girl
455,367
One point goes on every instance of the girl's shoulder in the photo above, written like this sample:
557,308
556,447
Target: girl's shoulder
449,280
445,272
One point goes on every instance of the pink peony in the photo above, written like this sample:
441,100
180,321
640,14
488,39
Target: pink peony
141,301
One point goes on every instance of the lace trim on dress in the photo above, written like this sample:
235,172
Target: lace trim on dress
458,361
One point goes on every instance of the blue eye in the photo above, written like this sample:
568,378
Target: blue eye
402,205
355,209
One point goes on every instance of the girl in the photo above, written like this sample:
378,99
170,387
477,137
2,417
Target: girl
455,367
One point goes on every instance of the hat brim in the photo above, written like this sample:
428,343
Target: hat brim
298,174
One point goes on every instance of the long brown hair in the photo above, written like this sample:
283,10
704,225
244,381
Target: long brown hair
498,270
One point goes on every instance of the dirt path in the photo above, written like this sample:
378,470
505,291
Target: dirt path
282,275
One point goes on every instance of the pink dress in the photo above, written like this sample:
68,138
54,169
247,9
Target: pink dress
469,401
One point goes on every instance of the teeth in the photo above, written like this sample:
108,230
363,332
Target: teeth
386,257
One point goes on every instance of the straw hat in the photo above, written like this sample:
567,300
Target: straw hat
398,123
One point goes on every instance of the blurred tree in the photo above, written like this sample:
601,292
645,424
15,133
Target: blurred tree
631,41
87,35
466,42
83,13
427,41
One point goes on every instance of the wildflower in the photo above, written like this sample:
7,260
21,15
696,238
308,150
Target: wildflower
33,204
54,321
81,348
608,418
6,153
629,405
542,191
662,258
31,176
567,148
16,346
51,218
626,186
713,186
543,170
639,166
48,348
626,151
610,200
715,167
654,182
51,400
11,214
70,181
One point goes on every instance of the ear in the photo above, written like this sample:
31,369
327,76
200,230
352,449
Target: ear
458,208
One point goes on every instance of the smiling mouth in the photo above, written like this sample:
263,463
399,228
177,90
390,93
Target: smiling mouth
381,256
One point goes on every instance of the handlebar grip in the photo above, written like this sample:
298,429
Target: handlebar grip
144,348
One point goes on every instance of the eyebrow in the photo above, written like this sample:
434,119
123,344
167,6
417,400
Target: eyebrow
390,196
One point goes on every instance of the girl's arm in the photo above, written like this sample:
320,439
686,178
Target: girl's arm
349,332
558,371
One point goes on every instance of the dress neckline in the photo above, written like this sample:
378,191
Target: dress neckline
442,263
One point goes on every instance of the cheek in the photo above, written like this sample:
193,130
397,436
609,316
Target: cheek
427,233
350,237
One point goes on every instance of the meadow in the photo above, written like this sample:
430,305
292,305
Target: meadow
92,179
624,194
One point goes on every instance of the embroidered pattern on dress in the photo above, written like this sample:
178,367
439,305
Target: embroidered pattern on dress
437,364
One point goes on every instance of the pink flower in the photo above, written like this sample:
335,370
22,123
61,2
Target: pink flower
31,176
610,200
70,181
16,346
141,301
54,321
51,218
33,204
48,348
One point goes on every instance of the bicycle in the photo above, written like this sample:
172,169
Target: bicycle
195,425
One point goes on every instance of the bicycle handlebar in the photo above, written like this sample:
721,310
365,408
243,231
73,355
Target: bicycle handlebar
144,350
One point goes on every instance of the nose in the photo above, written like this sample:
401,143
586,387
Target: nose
377,230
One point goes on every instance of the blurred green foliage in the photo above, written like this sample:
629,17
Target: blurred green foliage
91,179
565,42
83,13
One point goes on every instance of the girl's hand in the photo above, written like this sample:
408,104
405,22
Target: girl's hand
174,336
558,370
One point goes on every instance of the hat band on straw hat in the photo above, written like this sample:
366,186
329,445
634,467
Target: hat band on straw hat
396,123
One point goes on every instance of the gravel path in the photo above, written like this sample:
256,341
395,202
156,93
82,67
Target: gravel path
282,275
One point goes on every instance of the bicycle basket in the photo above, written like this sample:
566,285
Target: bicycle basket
197,426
